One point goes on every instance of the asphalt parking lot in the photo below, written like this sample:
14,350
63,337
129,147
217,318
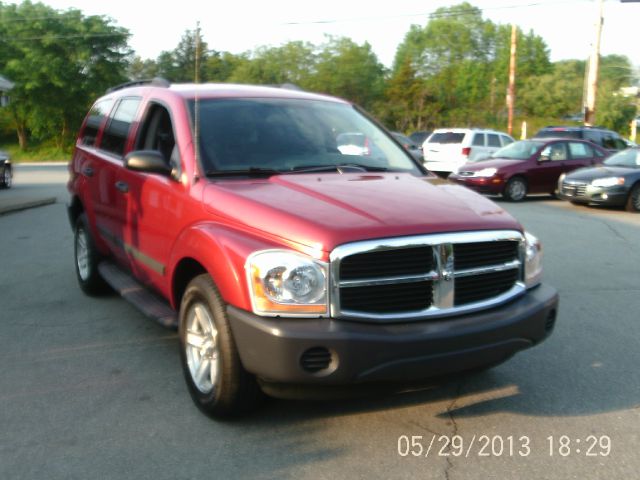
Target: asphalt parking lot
89,388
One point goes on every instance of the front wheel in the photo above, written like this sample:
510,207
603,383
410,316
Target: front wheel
515,189
633,202
7,178
218,383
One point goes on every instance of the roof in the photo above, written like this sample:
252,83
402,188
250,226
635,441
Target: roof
5,84
224,90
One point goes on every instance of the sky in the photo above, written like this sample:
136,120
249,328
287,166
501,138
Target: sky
567,26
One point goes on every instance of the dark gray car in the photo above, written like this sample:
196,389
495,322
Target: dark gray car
6,170
615,182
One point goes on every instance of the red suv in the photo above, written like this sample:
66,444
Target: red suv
231,213
528,166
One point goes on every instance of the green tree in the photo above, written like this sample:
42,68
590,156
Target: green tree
462,61
350,71
292,62
179,65
555,94
59,61
140,69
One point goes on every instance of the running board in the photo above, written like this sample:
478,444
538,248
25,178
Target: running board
150,304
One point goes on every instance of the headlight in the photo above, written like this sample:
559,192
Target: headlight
607,181
286,283
486,172
533,261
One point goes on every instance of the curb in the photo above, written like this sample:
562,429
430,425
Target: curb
5,209
40,164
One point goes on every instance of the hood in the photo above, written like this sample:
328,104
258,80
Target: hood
601,171
325,210
489,163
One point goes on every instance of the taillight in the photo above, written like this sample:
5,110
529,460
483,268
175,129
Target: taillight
466,151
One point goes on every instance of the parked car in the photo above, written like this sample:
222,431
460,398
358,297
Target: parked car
615,182
407,143
420,136
607,139
447,149
528,166
353,143
288,266
6,170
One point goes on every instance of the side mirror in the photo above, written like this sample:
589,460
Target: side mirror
544,158
147,161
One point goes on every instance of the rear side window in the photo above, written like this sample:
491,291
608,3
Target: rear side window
506,140
94,120
493,140
580,150
116,133
446,137
478,140
593,136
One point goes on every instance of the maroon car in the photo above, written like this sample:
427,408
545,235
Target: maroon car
528,166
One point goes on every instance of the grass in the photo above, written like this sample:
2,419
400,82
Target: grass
36,153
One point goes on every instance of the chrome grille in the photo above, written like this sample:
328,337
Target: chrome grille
425,276
574,189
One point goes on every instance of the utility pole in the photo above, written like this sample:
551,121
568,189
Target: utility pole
594,65
511,90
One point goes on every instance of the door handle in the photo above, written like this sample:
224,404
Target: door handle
87,171
122,186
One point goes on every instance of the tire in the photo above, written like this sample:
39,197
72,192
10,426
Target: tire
218,383
86,259
7,178
515,190
633,201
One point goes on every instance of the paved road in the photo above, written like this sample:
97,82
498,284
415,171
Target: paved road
34,185
89,388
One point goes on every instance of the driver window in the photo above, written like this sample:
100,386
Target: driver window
157,134
555,152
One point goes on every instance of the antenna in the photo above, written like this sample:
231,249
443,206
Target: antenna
196,105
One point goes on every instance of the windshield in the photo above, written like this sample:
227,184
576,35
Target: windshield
446,137
521,150
262,135
625,158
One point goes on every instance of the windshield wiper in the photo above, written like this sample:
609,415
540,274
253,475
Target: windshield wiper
341,168
247,172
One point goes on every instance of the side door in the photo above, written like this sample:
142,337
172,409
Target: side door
94,171
581,155
543,177
112,146
156,203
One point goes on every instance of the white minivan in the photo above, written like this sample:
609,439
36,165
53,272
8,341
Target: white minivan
447,149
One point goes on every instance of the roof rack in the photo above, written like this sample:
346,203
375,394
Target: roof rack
154,82
576,126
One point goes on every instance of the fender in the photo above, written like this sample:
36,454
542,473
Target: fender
222,250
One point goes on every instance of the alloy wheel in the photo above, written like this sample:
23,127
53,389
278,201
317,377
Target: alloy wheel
202,352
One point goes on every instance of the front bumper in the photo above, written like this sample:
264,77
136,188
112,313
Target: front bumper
274,348
487,185
589,194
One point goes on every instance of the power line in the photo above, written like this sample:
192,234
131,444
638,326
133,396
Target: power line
433,15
